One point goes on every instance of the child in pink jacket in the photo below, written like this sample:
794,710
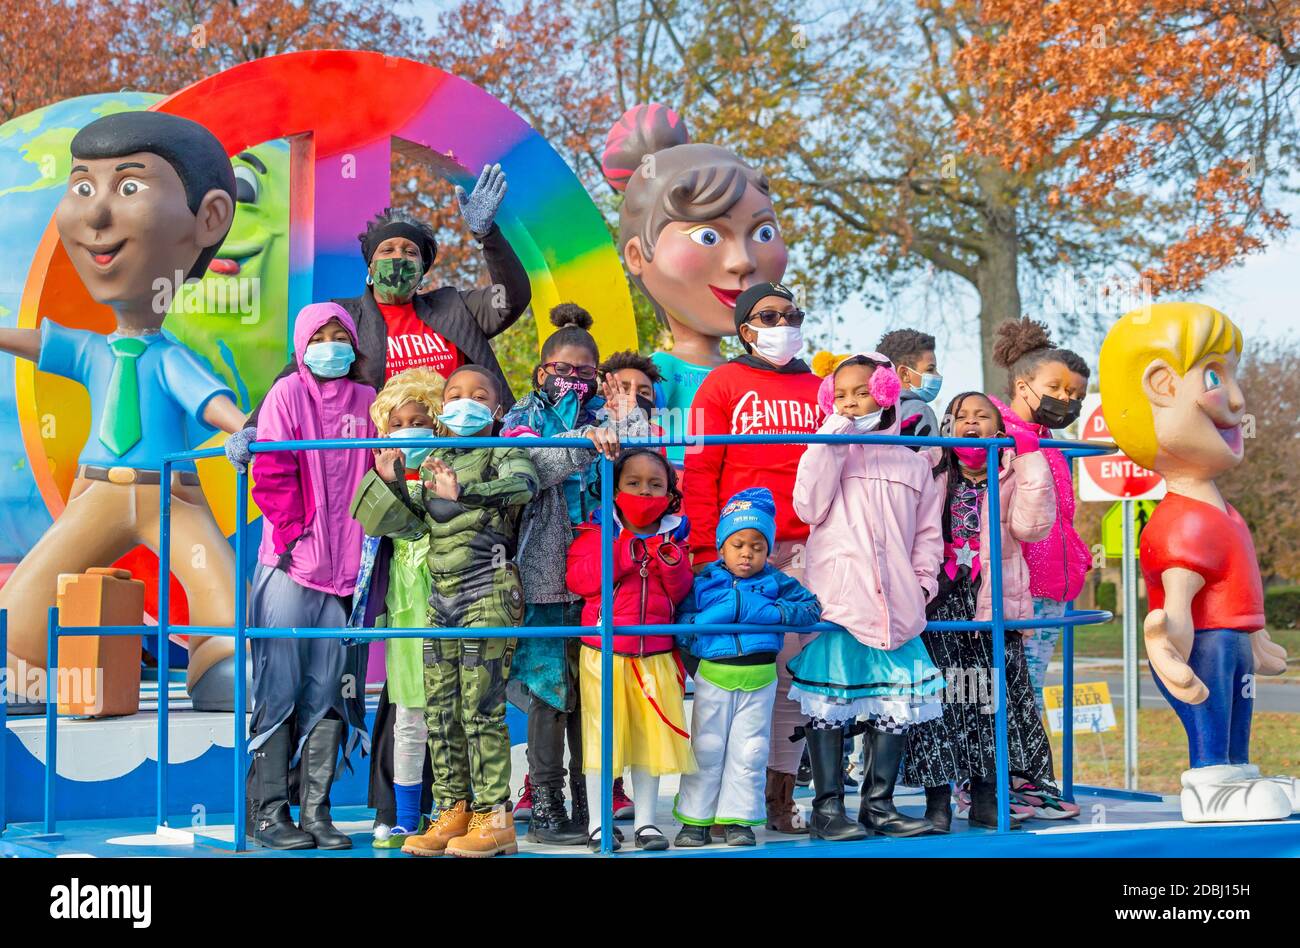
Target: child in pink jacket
960,745
873,561
306,571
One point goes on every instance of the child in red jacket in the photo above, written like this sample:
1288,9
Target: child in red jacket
652,575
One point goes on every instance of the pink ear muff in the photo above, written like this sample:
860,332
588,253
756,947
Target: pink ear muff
826,395
885,386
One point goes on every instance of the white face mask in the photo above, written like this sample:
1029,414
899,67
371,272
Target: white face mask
778,344
865,423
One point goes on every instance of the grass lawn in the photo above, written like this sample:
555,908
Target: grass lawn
1107,641
1162,750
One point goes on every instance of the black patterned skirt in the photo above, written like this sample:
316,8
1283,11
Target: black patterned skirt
960,744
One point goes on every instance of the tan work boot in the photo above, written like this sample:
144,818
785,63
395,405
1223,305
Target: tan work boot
489,834
453,821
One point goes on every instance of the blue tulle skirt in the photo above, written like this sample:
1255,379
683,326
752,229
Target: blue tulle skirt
838,679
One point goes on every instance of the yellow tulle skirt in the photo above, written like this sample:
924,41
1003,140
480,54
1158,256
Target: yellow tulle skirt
649,715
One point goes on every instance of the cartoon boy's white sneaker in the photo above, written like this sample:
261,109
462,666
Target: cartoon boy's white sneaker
1228,794
1290,785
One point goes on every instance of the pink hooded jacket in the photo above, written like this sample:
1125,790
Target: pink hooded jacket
1028,506
876,539
304,495
1058,564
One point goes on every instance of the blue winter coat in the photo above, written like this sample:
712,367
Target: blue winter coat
768,598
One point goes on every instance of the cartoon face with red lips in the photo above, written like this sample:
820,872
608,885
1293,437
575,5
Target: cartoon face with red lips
697,227
699,269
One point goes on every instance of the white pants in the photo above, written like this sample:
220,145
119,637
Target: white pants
730,733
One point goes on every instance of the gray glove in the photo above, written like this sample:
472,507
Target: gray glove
480,206
237,452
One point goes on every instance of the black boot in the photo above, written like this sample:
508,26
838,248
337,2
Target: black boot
550,824
938,808
825,751
269,821
578,791
984,804
320,756
884,754
803,776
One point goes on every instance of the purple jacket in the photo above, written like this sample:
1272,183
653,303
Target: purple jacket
1058,564
304,495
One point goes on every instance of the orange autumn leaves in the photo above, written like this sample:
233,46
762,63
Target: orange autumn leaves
1116,93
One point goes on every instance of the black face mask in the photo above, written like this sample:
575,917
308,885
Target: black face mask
558,386
1055,413
647,405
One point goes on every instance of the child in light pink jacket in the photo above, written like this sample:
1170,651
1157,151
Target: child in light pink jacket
873,560
960,744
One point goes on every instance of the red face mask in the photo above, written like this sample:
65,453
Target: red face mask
639,511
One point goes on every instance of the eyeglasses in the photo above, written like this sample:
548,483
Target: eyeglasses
770,317
566,369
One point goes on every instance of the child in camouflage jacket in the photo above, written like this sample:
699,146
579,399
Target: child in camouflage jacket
469,505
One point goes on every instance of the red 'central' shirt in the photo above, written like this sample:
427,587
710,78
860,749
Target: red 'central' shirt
1189,533
411,343
740,399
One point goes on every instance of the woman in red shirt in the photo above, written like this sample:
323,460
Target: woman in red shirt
765,391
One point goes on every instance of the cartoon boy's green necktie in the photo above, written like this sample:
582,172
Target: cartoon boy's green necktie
119,426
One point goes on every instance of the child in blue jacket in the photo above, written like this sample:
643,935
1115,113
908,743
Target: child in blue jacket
735,683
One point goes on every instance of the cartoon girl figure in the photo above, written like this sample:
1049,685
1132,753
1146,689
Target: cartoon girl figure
696,228
1173,403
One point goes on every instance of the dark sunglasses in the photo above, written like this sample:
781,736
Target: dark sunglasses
566,369
770,317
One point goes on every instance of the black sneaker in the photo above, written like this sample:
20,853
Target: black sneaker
692,836
740,835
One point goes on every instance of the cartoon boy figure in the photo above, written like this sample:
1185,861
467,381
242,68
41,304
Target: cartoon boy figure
149,195
1173,403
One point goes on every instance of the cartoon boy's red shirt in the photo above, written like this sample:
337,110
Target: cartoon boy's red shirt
1194,535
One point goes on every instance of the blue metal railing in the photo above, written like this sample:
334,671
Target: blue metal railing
241,632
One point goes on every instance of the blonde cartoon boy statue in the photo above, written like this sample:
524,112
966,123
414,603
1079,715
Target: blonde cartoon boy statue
1173,403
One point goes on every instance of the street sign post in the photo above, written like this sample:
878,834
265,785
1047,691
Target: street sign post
1110,478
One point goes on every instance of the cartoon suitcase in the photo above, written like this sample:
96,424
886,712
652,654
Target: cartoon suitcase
99,675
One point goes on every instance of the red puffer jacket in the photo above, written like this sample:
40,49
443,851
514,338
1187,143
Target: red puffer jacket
651,576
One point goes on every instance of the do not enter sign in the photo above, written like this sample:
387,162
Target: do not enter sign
1111,477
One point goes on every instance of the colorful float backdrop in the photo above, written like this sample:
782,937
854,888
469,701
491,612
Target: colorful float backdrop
311,173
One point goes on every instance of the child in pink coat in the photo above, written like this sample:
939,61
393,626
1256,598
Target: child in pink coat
305,575
960,745
872,560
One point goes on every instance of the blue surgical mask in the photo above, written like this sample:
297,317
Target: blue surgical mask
464,416
329,360
868,423
414,456
929,387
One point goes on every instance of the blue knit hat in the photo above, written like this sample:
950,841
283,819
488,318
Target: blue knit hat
750,509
